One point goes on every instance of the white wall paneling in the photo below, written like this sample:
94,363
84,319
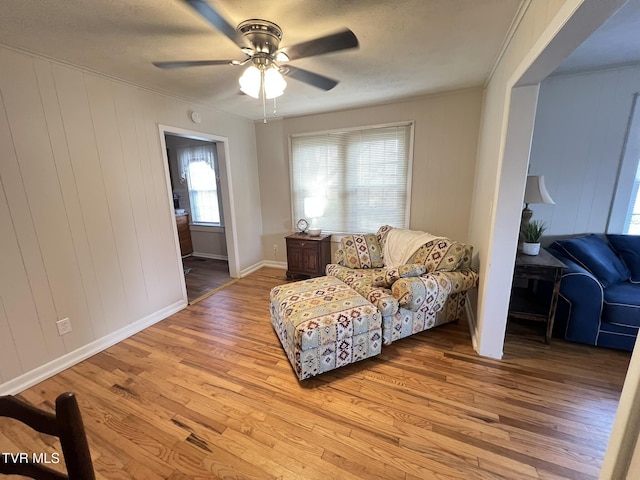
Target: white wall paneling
578,145
26,283
87,221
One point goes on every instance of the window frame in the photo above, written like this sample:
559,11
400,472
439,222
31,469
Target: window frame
187,183
409,148
623,198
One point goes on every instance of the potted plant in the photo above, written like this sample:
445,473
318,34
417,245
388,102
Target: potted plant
531,235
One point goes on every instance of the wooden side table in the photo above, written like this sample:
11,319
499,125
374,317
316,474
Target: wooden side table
307,256
184,234
526,303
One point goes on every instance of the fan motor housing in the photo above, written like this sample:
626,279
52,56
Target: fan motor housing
264,35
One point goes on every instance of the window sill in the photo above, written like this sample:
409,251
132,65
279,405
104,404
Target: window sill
206,227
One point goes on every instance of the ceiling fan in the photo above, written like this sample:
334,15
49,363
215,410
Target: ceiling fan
260,40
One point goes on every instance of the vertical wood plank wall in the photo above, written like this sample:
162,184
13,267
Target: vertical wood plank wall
578,140
86,222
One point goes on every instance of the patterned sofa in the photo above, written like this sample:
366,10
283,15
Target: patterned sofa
428,288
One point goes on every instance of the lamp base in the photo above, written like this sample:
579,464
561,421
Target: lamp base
527,213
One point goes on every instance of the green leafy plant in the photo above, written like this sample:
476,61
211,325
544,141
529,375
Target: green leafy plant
532,232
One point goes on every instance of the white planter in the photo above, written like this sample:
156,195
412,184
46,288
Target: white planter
530,248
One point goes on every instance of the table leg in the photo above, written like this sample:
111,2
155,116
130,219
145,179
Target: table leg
554,304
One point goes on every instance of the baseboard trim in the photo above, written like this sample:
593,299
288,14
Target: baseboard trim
273,264
473,326
259,265
70,359
213,256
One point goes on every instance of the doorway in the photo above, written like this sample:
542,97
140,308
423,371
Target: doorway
204,276
198,185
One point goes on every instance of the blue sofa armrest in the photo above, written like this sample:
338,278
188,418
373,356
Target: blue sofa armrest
580,303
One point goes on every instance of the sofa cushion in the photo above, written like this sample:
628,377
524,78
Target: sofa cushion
440,254
362,281
362,251
381,234
403,271
628,247
595,254
622,304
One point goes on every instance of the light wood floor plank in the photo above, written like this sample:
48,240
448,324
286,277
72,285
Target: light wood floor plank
209,393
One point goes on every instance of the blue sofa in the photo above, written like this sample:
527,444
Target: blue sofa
599,301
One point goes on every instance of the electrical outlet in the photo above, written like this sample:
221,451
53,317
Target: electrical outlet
275,248
64,326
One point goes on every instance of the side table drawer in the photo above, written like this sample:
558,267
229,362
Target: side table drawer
534,272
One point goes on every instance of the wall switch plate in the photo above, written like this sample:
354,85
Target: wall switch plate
64,326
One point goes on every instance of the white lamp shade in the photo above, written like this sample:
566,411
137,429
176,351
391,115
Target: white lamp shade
536,191
250,82
274,83
314,207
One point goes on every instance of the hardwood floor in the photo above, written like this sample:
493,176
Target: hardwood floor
209,393
204,275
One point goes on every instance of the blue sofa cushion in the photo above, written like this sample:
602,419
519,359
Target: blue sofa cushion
628,247
622,304
597,256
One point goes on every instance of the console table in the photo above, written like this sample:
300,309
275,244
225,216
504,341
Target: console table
529,304
306,255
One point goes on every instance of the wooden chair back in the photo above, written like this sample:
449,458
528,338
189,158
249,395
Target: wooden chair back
66,424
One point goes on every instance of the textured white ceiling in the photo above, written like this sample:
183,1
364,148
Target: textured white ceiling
616,42
407,47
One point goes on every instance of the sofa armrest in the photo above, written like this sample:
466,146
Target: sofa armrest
381,297
579,304
461,280
361,282
429,292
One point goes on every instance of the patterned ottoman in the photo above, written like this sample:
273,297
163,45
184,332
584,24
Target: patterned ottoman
324,324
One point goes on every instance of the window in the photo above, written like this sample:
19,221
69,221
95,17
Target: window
199,169
354,180
624,216
632,222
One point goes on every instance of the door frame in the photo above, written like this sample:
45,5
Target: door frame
228,209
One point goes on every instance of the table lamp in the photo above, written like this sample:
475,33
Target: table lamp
535,192
314,209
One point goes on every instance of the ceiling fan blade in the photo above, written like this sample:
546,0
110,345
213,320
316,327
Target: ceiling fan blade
192,63
218,22
342,40
319,81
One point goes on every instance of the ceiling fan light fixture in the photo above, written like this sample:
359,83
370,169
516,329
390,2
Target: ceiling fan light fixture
274,83
260,40
250,81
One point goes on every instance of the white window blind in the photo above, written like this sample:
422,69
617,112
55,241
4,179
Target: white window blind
353,180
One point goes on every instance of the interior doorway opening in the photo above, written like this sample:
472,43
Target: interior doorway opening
198,185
